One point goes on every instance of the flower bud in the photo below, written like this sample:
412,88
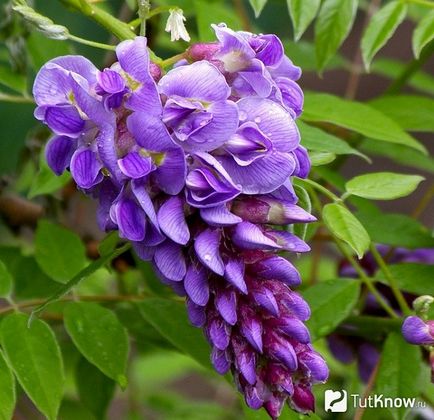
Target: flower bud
265,209
416,331
202,51
303,400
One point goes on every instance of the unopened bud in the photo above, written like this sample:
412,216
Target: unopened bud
202,51
422,304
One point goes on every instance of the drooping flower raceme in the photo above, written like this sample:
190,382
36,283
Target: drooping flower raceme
194,168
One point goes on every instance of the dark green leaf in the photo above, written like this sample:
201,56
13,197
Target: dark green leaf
302,53
7,390
345,226
100,337
354,116
86,272
302,13
58,251
391,69
332,26
330,302
383,185
381,28
170,319
318,140
73,410
305,203
257,6
34,355
13,80
6,280
401,230
412,277
213,12
423,34
42,49
411,112
399,370
94,388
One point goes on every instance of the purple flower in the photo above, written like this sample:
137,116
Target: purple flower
417,331
197,109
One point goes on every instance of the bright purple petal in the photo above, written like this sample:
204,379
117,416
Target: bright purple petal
58,153
207,247
170,261
85,168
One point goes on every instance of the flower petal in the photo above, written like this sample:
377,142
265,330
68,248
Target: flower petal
64,120
133,165
85,168
58,153
170,261
207,247
130,220
219,216
171,219
196,285
246,235
234,274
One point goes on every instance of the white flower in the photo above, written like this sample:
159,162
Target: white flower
175,25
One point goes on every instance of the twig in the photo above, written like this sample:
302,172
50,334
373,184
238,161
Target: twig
360,410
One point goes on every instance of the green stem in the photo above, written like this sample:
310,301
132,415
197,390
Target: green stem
154,12
172,60
118,28
391,280
144,7
320,188
367,280
413,67
16,99
91,43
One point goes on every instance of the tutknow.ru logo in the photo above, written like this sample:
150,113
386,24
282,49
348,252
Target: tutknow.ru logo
337,401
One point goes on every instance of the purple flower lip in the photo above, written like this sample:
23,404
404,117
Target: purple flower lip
209,184
417,331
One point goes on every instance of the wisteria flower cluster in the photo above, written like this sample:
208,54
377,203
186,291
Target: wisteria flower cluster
194,168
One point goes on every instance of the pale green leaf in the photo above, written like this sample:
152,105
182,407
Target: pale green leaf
318,140
357,117
302,13
411,112
58,251
330,302
381,28
100,337
321,158
13,80
7,390
423,34
383,185
345,226
332,26
257,6
34,356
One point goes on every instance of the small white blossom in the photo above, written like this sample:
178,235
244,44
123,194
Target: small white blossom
175,25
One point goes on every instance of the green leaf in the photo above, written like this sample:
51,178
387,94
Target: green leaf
321,158
344,225
355,116
381,28
6,280
383,185
318,140
100,337
423,34
398,153
211,12
391,69
302,13
42,49
412,277
331,302
7,390
58,251
169,318
13,80
34,356
302,53
332,26
86,272
46,181
399,370
94,388
401,230
108,243
257,6
411,112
